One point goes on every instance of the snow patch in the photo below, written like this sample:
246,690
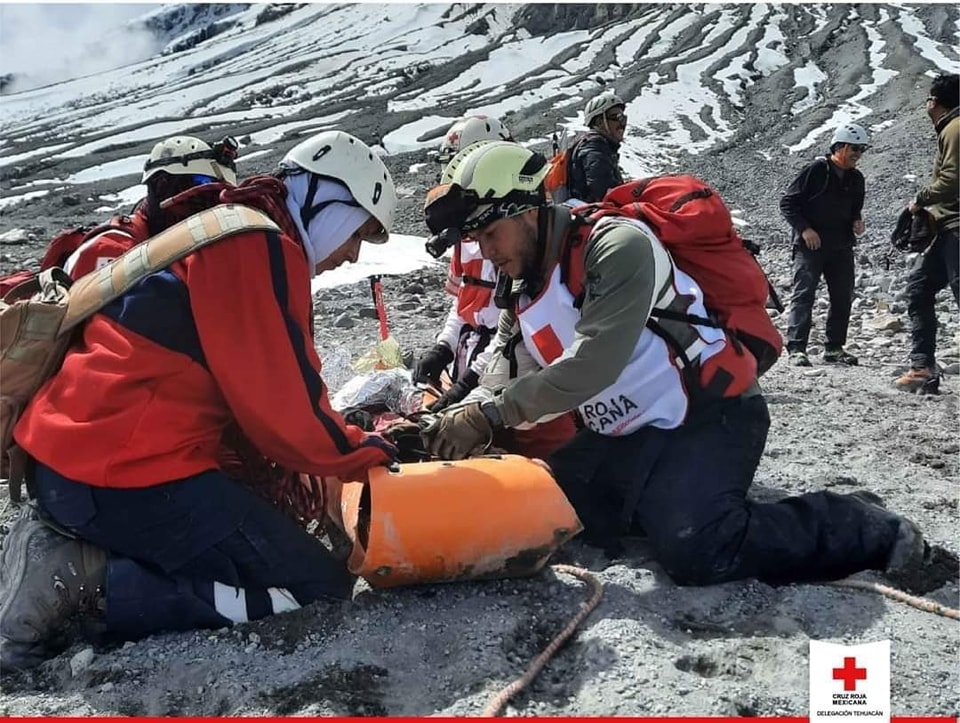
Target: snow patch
7,201
400,255
130,166
809,76
913,26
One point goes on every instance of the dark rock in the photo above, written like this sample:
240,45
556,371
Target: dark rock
556,17
344,321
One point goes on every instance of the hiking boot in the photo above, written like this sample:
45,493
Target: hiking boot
840,356
918,381
48,579
916,566
800,359
913,565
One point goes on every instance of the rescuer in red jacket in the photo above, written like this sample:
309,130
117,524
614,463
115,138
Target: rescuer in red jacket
125,437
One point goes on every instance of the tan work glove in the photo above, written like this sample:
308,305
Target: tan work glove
459,433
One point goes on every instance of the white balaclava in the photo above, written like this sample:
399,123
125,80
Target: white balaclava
335,223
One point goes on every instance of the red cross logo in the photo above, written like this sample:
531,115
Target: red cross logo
849,674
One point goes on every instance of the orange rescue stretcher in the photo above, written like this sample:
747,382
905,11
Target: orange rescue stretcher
486,517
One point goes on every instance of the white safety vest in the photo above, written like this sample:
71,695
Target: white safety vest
649,390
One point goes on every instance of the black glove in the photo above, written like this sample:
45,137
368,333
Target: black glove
431,364
465,384
405,435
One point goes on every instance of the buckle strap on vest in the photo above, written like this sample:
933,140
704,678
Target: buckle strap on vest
474,281
19,461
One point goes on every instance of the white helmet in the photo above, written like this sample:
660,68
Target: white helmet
600,104
341,157
469,130
188,156
850,133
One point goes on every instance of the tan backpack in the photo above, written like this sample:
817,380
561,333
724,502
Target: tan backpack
38,316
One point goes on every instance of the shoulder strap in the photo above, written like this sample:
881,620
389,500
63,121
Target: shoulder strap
571,151
572,274
94,291
825,164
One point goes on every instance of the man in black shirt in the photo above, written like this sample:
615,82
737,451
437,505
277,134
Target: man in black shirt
823,207
594,168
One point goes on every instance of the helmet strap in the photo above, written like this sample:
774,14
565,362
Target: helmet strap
183,160
309,210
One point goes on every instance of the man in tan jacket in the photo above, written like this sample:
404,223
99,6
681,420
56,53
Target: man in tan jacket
938,264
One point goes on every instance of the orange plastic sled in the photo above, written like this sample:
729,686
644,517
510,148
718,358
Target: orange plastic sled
488,517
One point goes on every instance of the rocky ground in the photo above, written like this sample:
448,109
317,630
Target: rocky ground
651,648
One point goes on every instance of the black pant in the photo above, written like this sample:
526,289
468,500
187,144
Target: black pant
687,488
937,268
836,267
201,552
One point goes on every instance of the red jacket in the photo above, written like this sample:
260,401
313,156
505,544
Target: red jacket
223,334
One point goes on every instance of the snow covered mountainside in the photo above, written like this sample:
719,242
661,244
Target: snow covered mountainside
272,73
741,95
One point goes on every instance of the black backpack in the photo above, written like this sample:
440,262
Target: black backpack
914,232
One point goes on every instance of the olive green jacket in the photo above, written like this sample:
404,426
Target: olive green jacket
942,196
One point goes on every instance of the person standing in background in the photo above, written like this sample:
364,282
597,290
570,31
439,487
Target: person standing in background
937,266
823,206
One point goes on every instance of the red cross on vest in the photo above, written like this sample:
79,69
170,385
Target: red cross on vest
849,674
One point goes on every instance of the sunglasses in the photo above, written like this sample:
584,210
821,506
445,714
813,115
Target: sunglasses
616,117
200,179
858,148
933,98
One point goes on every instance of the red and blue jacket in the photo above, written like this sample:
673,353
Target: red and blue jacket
224,334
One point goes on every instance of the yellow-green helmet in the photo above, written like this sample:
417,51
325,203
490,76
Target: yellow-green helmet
454,163
484,182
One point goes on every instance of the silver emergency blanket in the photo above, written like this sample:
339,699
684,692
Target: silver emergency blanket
390,388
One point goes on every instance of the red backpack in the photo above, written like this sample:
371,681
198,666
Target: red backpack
693,223
61,247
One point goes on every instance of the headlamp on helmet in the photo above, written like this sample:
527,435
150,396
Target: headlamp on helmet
439,243
225,152
452,211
